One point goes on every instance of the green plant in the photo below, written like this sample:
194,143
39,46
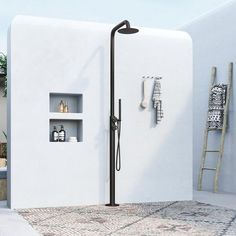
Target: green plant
4,150
3,70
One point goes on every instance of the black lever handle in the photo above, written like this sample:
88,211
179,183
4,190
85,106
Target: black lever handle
120,109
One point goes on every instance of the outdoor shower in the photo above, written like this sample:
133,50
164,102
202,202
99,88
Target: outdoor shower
115,123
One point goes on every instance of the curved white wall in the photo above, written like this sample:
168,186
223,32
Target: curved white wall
146,13
73,57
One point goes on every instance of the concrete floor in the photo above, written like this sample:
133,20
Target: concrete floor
218,199
12,224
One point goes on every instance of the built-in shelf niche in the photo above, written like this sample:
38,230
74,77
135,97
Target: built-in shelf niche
71,120
74,102
73,128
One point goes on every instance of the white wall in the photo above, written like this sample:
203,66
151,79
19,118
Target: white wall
156,14
214,37
65,56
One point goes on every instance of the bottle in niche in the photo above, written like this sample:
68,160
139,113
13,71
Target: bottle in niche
66,108
62,134
55,134
61,106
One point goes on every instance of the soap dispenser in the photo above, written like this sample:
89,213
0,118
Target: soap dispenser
54,134
62,134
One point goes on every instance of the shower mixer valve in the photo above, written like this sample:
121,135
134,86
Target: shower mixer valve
115,124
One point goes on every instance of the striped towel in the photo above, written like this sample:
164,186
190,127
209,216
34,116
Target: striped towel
157,102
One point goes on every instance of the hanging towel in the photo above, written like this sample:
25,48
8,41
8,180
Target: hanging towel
157,102
216,106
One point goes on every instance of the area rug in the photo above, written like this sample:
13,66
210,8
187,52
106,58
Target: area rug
146,219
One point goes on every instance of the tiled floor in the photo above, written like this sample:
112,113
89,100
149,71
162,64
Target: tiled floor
169,218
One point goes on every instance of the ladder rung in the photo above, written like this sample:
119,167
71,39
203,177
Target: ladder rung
206,168
214,129
212,151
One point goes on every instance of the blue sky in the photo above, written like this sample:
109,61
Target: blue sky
147,13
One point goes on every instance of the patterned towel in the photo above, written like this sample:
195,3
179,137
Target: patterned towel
216,106
157,102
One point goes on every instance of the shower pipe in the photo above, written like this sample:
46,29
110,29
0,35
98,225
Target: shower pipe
115,123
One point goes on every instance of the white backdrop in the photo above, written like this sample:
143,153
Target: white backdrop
49,55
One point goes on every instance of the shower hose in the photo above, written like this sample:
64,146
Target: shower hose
118,158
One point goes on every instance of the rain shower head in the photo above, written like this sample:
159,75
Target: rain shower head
128,30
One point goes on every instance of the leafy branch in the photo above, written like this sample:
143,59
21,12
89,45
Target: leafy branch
3,72
3,148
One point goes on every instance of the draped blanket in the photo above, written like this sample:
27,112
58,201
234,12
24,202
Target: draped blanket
216,106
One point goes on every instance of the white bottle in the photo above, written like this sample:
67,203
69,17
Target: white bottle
54,134
62,134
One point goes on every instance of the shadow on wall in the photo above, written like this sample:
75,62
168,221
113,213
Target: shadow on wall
102,134
152,170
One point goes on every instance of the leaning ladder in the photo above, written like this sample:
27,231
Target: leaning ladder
220,152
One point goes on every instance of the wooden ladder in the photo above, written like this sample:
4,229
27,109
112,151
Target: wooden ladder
220,152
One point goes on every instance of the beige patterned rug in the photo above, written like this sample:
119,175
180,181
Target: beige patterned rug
165,218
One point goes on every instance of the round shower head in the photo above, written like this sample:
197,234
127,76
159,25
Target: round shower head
128,30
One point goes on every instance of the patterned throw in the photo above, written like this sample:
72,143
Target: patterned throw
157,102
216,106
